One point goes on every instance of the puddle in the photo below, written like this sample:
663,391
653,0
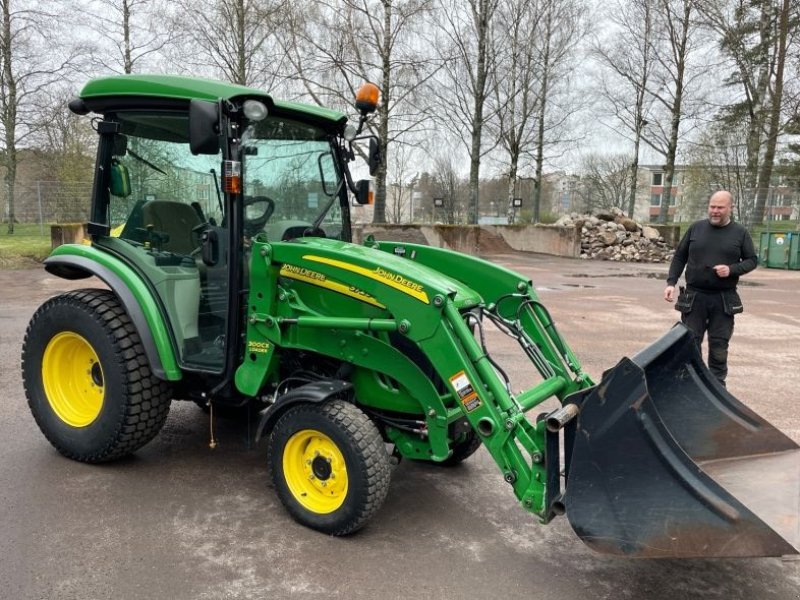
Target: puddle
644,275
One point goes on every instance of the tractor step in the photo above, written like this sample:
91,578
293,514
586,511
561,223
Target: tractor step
667,463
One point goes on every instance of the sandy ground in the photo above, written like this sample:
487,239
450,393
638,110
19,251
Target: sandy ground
182,521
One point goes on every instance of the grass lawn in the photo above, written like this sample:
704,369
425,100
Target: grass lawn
28,245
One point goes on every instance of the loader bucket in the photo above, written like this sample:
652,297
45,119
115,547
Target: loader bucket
667,463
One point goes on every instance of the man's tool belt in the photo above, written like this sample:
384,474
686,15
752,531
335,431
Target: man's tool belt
732,302
685,300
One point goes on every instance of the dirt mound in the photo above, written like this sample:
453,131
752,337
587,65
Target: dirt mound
491,242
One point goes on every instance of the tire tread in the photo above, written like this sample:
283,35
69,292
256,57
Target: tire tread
147,398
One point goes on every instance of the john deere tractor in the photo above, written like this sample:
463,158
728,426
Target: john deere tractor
220,226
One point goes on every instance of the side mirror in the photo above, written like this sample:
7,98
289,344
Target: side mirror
375,157
120,145
203,127
209,247
364,192
120,184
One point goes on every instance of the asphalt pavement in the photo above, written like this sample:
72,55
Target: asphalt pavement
179,520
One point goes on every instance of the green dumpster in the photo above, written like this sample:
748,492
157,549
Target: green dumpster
780,250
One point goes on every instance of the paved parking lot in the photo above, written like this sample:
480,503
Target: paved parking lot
179,520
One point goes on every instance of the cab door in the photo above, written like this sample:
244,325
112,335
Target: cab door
169,218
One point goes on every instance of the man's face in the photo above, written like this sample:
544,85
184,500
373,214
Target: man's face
719,210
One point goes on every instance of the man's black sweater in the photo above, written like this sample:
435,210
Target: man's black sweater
705,245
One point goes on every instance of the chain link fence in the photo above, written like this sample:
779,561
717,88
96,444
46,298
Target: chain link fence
44,203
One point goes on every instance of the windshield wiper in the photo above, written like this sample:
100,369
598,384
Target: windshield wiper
145,161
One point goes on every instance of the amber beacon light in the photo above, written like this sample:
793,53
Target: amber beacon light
367,98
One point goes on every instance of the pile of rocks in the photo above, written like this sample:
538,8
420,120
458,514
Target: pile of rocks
613,236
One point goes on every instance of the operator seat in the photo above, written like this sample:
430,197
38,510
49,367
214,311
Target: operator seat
177,220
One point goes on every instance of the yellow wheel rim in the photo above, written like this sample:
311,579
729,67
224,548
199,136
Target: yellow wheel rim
73,379
315,471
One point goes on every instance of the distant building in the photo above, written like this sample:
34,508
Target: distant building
651,183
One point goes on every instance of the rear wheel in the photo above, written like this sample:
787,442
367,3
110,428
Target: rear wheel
329,466
87,378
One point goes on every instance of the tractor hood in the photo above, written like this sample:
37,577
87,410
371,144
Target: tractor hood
380,274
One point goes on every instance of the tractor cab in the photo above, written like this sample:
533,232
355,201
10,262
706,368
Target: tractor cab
189,172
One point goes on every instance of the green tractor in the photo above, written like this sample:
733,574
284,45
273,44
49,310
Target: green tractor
220,225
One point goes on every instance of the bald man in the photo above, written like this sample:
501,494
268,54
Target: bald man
715,252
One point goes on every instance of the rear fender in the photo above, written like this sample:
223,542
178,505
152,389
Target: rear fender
74,261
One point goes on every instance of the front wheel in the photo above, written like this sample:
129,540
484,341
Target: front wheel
87,379
329,466
462,450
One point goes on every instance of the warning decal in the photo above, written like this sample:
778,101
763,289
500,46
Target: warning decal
465,391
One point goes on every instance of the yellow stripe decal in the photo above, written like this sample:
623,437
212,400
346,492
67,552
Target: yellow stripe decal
398,282
318,279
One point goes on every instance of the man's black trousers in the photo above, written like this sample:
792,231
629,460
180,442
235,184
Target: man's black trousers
708,315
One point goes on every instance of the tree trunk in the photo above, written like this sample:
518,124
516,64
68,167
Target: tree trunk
765,173
379,209
757,115
126,34
634,178
241,43
672,144
539,155
512,180
482,26
8,115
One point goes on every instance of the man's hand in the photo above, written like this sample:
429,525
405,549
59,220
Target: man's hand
669,293
722,270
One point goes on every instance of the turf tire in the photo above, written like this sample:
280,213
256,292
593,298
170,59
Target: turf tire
135,403
347,429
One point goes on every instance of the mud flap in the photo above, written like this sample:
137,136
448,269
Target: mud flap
667,463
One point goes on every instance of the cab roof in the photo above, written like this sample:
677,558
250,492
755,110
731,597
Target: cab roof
132,91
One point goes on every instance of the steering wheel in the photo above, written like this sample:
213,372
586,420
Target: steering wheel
257,211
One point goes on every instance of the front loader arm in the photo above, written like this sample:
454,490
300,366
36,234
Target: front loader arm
434,304
526,454
508,296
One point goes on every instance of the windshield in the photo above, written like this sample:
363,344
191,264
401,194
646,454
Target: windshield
292,184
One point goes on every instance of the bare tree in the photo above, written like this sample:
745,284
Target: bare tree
447,188
403,179
627,61
517,91
755,36
135,29
670,84
605,180
65,138
33,60
744,38
718,160
335,46
562,29
467,33
236,39
773,124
